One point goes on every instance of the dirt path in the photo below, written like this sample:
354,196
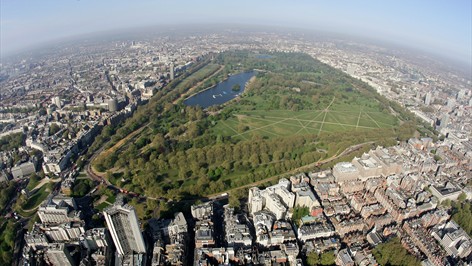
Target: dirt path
45,181
121,142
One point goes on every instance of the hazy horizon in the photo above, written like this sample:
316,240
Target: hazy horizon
434,27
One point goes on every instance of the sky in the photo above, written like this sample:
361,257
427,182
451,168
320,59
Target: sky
438,26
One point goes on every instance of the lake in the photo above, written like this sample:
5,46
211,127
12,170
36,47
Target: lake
221,92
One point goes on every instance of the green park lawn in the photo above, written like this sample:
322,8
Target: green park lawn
280,123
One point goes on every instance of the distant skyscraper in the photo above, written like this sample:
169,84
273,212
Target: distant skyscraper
171,70
57,101
451,103
124,229
427,99
444,120
113,105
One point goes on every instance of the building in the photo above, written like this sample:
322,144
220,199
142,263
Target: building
344,258
202,211
255,201
123,225
66,232
275,205
36,239
390,165
57,101
237,233
98,246
171,70
204,234
345,171
367,166
449,191
423,240
454,239
428,98
112,105
178,225
315,231
58,210
23,170
306,198
58,255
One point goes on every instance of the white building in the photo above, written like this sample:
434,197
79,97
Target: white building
345,171
275,205
255,201
454,239
124,229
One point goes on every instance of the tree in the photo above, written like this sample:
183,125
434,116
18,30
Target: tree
393,253
233,201
236,87
299,212
53,129
462,197
327,258
313,258
462,215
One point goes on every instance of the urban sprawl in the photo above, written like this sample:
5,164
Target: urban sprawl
61,102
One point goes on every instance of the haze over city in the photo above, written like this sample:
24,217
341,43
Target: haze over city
441,27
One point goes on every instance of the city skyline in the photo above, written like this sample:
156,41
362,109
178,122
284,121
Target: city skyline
432,26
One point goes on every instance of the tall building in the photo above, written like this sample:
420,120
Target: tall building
451,103
172,75
112,105
124,229
256,201
427,99
444,120
57,101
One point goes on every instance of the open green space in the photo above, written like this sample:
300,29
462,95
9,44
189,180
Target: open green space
33,182
297,111
26,206
279,123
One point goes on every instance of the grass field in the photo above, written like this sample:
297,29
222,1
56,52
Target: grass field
278,123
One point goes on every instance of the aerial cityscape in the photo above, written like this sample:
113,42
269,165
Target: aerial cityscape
226,143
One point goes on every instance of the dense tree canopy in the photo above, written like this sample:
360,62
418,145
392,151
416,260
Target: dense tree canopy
315,259
7,242
12,141
462,215
7,189
393,253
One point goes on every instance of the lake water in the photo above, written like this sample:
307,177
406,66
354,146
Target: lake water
221,92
